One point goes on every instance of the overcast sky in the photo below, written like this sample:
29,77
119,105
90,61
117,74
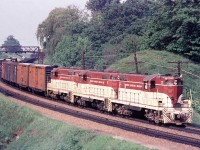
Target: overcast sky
22,17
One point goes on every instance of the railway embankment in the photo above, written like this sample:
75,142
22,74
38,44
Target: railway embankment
22,128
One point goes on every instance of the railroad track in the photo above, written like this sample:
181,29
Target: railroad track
143,121
188,130
102,120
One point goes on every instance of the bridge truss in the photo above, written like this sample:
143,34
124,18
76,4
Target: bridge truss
24,49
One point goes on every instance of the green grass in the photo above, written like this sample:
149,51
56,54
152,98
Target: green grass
157,62
23,129
196,120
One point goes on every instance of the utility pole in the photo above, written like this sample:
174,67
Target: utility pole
135,55
83,59
134,44
178,66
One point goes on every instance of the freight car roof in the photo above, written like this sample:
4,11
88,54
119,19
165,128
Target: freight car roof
41,65
26,64
9,62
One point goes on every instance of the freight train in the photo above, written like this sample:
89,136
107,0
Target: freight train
158,97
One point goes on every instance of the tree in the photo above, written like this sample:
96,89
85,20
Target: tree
115,20
69,51
97,5
60,22
111,21
175,27
11,44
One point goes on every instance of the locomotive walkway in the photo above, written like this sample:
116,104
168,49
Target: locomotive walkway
102,120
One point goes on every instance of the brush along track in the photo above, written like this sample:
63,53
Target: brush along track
102,120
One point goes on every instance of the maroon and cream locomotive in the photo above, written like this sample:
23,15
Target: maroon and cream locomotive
158,97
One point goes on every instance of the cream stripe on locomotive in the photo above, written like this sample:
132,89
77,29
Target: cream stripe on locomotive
86,90
60,86
125,96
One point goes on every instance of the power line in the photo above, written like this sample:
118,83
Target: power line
179,66
187,72
161,66
99,56
191,73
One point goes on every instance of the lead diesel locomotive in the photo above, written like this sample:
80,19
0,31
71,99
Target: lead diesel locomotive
158,97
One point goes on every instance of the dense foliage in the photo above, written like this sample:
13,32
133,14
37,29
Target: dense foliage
108,33
71,49
11,44
175,27
111,25
61,22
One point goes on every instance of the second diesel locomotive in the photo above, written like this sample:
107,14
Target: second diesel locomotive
158,97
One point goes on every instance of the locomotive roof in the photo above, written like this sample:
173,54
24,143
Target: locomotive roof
150,77
128,76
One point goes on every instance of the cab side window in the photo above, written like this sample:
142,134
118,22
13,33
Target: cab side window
56,74
84,77
153,84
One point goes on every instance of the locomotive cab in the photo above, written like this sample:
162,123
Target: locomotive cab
173,88
150,83
166,93
54,73
83,76
180,110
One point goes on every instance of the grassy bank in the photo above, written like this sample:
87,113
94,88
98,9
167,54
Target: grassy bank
196,119
23,129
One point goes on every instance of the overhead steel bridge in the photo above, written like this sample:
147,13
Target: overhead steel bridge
39,54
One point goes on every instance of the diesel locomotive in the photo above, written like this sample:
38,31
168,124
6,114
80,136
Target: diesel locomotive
158,97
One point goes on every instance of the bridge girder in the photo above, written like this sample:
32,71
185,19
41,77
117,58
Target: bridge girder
25,49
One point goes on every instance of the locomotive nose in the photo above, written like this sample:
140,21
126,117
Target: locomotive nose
178,116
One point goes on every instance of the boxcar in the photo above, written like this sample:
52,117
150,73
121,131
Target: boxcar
1,61
39,75
23,74
9,71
